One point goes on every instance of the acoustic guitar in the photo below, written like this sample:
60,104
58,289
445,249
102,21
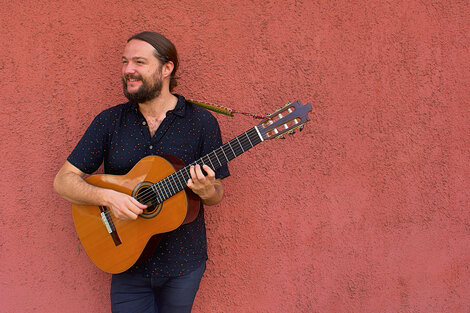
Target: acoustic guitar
160,182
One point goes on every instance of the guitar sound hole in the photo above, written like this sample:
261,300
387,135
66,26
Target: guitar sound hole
145,195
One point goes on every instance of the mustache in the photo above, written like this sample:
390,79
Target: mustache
134,76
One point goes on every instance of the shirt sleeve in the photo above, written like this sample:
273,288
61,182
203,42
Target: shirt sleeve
89,152
212,140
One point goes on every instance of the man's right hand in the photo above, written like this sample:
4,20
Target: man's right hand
123,206
69,183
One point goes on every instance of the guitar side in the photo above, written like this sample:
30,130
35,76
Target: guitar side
134,235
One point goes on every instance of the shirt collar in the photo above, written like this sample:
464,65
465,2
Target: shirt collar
179,109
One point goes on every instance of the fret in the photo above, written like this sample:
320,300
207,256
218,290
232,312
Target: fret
173,178
188,175
168,185
160,197
249,139
210,162
240,144
216,157
163,191
172,184
227,152
212,165
157,194
226,158
179,180
157,191
165,188
181,173
165,183
234,154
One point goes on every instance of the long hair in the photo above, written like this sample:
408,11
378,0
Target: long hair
165,51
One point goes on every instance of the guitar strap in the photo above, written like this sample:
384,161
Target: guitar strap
223,110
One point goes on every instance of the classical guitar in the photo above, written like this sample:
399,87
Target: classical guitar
160,182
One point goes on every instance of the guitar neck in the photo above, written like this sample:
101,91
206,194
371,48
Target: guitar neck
176,182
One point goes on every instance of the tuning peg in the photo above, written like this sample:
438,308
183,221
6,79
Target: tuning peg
281,137
301,127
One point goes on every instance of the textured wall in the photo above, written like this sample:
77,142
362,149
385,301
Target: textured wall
366,210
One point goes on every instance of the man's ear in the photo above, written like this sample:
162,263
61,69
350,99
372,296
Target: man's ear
167,69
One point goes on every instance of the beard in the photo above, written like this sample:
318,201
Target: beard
147,91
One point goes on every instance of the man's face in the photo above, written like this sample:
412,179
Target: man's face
141,72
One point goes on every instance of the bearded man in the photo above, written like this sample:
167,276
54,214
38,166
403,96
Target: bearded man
155,121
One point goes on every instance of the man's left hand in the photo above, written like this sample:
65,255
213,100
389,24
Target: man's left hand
207,187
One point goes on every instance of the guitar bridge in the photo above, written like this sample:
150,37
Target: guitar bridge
108,223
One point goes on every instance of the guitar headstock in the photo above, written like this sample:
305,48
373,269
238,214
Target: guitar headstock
285,120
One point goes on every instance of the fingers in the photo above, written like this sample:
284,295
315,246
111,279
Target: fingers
134,209
197,174
127,213
125,207
198,180
200,184
209,171
138,204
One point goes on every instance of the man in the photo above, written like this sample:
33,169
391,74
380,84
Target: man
154,122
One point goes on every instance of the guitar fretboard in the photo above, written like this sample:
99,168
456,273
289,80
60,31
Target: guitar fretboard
176,182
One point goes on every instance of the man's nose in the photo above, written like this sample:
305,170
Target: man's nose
128,69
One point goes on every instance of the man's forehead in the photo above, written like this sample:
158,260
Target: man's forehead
138,48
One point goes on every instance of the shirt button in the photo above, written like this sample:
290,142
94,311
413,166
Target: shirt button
151,147
144,123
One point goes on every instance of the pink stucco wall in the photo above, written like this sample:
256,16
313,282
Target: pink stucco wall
366,210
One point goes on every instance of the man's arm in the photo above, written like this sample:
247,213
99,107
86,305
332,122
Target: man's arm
208,188
69,183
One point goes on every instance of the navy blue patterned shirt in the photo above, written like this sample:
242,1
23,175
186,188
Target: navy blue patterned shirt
120,137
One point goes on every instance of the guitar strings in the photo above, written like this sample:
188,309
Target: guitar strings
165,192
150,194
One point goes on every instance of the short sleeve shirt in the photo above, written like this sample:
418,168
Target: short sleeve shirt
119,137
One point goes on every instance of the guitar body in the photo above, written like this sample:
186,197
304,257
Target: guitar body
106,253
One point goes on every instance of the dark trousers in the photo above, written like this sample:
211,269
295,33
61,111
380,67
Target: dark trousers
134,293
